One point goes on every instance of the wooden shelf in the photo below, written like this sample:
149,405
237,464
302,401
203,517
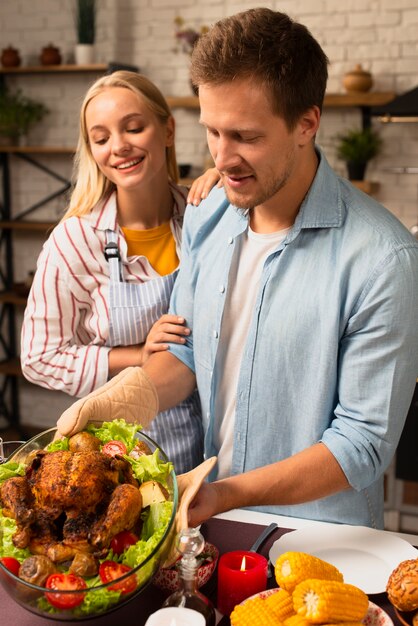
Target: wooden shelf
332,100
37,149
183,102
26,225
45,69
358,99
11,367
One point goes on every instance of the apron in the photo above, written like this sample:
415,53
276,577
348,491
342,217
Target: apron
133,309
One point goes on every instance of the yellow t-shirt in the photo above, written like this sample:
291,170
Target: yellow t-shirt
157,244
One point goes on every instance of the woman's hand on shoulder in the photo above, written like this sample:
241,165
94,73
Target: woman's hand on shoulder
201,187
168,329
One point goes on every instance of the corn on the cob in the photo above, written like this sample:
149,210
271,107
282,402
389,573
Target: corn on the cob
254,612
281,603
293,567
323,601
344,624
296,620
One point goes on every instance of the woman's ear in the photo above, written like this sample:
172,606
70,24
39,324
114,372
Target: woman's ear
170,131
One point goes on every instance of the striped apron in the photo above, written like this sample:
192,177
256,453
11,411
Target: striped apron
133,309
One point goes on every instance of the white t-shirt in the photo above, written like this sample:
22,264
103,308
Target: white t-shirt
244,277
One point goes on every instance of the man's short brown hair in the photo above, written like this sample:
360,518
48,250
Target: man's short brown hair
267,47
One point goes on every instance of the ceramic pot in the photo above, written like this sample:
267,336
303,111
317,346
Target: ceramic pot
84,53
50,55
356,171
10,57
358,80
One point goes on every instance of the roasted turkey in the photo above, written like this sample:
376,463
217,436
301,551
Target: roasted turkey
71,502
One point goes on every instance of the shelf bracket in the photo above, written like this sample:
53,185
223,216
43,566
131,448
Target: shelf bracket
66,186
366,117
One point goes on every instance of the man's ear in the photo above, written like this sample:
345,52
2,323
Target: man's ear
308,125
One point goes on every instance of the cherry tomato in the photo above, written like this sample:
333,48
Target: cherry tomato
11,564
122,541
110,570
114,447
65,582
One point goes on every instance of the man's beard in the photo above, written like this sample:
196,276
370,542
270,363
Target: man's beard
246,202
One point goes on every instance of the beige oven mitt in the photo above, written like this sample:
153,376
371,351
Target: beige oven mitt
130,395
188,485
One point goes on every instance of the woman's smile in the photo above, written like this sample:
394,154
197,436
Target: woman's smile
128,164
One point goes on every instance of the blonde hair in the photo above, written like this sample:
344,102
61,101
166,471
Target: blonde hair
90,185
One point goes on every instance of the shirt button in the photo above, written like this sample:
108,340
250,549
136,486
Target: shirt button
230,240
215,334
208,415
222,288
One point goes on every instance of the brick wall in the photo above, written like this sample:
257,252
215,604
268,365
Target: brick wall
382,37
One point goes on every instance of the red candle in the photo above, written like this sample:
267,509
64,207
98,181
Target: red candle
240,575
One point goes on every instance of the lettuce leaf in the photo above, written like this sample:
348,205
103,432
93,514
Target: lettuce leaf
58,444
116,430
10,469
97,601
151,467
7,548
153,529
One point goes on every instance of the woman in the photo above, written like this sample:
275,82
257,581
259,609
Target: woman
104,277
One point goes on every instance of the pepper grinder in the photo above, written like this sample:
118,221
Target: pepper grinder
190,544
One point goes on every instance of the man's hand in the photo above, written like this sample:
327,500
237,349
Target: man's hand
204,505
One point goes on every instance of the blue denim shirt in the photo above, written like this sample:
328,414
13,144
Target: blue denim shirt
332,350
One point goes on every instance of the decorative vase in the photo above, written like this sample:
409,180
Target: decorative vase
50,55
358,80
84,53
10,57
356,171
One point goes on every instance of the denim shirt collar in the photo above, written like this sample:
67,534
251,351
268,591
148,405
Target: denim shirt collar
322,206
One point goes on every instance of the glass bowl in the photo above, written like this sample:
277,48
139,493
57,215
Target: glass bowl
100,598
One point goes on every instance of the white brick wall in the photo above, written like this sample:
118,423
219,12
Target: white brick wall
378,34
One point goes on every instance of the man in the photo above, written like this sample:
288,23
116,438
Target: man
300,292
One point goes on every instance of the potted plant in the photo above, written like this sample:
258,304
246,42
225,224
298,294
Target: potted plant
357,148
18,114
85,22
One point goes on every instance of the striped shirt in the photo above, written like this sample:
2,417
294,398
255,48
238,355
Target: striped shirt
66,321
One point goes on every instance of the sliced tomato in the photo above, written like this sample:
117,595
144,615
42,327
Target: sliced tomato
122,541
65,582
114,447
11,564
110,570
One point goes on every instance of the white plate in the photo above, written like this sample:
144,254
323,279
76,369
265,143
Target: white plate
375,616
366,557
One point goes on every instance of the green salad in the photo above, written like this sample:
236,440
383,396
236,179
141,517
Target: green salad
128,550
